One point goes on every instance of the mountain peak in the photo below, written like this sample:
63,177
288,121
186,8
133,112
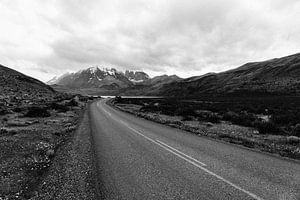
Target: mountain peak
93,70
136,76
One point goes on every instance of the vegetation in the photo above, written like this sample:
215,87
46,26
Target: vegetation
37,112
267,123
278,115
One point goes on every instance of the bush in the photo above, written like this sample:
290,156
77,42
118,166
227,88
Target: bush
18,109
118,99
58,107
185,111
208,116
243,118
3,111
187,118
37,112
296,130
264,127
73,102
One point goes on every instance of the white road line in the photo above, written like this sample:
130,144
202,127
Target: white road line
103,109
221,178
196,163
191,160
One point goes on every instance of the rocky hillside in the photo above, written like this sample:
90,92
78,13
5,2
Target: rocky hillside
17,86
276,76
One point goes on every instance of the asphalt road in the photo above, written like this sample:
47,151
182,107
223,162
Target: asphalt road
140,159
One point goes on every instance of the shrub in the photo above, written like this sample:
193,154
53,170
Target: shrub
18,109
58,107
37,112
3,131
187,118
296,130
73,102
3,111
264,127
208,116
149,108
243,118
185,111
118,99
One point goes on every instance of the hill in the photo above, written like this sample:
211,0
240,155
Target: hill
276,76
15,85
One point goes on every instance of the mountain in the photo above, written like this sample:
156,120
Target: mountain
94,77
275,76
56,79
151,86
136,76
105,81
14,84
96,81
163,79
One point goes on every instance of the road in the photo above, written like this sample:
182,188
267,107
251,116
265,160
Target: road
140,159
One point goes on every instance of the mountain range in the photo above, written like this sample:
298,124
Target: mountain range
104,81
275,76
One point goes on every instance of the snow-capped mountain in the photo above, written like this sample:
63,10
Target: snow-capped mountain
95,77
105,81
136,76
56,79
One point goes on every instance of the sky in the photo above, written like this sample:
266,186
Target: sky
188,38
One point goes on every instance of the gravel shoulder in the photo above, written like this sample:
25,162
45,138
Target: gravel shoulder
72,174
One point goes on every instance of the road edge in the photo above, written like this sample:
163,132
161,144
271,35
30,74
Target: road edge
275,155
73,172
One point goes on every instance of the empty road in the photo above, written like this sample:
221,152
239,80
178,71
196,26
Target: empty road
140,159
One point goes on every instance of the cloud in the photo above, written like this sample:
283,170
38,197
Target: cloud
186,38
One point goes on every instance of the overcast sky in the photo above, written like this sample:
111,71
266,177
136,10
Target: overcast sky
43,38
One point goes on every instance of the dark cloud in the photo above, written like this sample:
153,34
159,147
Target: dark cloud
161,36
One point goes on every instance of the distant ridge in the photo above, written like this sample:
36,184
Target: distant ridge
275,76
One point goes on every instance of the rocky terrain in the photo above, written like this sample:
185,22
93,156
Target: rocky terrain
35,122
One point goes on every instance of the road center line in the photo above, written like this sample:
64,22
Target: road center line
103,109
191,160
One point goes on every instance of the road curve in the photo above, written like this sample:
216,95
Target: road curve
140,159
